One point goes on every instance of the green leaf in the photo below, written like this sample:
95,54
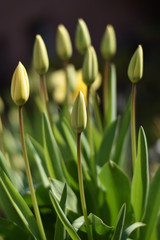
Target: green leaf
122,133
112,101
6,167
127,232
120,223
117,186
72,144
97,226
53,156
152,209
38,162
57,188
15,207
97,113
68,226
9,230
140,182
105,149
59,228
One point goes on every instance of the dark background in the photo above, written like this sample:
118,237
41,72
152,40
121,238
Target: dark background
135,22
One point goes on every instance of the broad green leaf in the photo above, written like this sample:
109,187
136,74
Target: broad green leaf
112,104
104,153
97,226
68,226
124,128
72,144
15,207
42,196
127,232
57,188
53,156
6,167
120,223
140,182
97,113
9,230
152,209
38,162
117,186
59,228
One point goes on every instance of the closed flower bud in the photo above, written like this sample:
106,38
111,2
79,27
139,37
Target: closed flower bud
40,56
108,44
90,66
63,43
79,114
135,68
20,85
82,37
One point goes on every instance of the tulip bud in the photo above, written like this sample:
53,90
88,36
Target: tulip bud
135,68
82,37
79,114
108,44
63,43
90,66
20,85
71,76
40,56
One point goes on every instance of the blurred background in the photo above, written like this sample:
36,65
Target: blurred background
135,22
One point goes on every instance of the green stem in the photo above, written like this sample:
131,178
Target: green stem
44,95
106,89
90,138
133,125
81,187
67,83
29,177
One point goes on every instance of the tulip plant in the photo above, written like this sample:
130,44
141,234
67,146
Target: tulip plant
66,171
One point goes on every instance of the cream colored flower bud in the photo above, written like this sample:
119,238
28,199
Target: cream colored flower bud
108,44
82,37
90,66
40,56
71,76
135,68
20,85
63,43
79,114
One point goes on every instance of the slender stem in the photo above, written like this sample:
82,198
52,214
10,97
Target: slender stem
29,177
90,139
44,95
67,83
133,125
81,187
106,89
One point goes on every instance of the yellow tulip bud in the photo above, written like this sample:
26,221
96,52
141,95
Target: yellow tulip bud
108,44
90,66
40,56
82,37
135,68
63,43
71,76
79,114
20,85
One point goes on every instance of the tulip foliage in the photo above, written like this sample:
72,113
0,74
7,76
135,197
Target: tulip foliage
77,172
